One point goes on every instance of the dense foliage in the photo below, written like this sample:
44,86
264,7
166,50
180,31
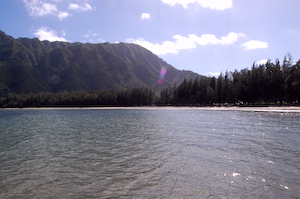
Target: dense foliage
31,65
270,83
134,97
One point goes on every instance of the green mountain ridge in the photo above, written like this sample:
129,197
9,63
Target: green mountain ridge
31,65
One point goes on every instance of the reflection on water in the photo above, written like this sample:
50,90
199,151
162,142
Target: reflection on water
148,153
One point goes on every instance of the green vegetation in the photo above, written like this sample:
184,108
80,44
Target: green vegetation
41,73
133,97
31,65
270,83
267,84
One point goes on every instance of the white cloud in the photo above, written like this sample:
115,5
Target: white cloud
101,40
166,47
90,34
40,8
204,39
77,7
86,7
263,61
73,6
45,33
254,44
62,15
212,4
212,74
231,38
92,37
145,16
183,43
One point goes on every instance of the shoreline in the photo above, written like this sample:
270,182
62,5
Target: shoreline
288,109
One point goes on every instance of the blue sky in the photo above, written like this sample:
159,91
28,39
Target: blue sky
204,36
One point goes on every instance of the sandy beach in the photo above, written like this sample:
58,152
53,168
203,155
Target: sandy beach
257,109
283,109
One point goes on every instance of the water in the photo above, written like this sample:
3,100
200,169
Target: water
149,153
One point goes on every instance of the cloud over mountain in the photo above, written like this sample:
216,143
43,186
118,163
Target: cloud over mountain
190,34
183,43
45,33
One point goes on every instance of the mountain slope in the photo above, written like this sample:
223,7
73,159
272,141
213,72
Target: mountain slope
31,65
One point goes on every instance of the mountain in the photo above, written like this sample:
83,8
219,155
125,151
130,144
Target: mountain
31,65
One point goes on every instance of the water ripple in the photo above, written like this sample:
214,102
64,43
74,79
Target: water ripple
145,153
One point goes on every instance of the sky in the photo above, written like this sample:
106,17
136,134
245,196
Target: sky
204,36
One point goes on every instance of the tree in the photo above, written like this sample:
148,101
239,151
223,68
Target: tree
219,88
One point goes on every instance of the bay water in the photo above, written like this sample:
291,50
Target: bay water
149,153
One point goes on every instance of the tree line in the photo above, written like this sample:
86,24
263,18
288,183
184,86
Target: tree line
270,83
134,97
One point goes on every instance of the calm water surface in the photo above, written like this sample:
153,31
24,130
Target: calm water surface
149,153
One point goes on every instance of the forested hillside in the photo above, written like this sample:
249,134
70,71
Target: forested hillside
267,84
42,73
32,66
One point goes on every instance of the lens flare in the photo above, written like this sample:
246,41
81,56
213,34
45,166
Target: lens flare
160,81
162,75
54,79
